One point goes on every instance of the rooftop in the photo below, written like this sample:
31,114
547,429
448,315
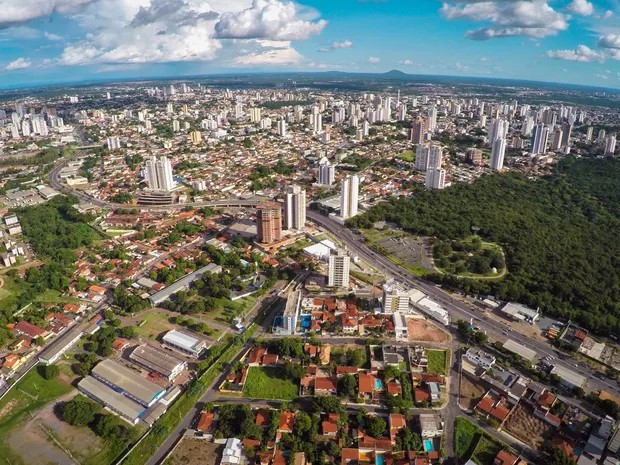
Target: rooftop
129,381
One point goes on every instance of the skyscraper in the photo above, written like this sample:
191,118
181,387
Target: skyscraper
421,157
159,174
268,223
432,119
281,128
556,141
539,139
295,208
498,153
327,172
418,130
113,143
349,193
428,157
610,145
395,299
339,263
435,179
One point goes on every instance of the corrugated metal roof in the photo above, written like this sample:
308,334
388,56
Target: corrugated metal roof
115,400
132,383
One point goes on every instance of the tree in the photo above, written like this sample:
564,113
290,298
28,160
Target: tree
375,426
49,371
79,411
347,386
407,440
327,404
303,424
294,371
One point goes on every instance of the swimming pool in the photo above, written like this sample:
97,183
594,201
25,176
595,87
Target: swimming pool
378,384
428,445
379,460
305,321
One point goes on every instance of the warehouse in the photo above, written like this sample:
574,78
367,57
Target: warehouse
521,350
127,382
114,401
187,344
159,361
570,378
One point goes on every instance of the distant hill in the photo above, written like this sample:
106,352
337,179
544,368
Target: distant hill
396,73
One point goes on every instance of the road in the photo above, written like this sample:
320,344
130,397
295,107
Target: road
209,394
456,308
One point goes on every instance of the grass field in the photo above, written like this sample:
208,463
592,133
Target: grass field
269,383
489,276
407,156
52,296
486,451
466,436
154,324
28,396
437,361
227,310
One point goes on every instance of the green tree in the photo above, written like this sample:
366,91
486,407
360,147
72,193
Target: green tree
79,411
375,426
48,371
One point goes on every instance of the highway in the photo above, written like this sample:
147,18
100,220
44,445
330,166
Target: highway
457,309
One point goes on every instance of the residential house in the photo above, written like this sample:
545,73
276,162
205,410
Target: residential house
324,386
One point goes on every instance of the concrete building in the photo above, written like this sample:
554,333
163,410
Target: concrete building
349,196
540,137
158,361
401,330
430,425
327,172
497,154
338,269
183,283
295,208
268,223
570,378
158,174
395,298
185,343
520,312
435,179
610,145
480,358
114,401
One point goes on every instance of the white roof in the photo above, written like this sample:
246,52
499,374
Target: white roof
516,348
415,295
518,311
181,339
232,451
432,306
320,250
569,376
400,322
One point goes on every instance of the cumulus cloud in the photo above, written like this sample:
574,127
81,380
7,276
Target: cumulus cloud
13,12
20,63
581,7
530,18
343,44
269,53
52,37
374,60
582,53
270,19
405,62
609,41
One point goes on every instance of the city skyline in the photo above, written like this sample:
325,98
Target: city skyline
570,41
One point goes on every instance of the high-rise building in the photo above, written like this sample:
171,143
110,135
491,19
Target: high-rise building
556,141
281,128
474,156
589,134
435,157
26,128
39,126
176,125
268,223
497,129
610,145
317,123
435,179
418,130
497,154
295,208
327,172
539,139
196,137
159,174
255,115
339,263
567,129
395,299
432,119
169,109
113,143
349,194
428,156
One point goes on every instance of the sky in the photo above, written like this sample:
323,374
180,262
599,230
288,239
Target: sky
56,41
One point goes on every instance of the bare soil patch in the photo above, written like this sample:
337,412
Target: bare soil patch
471,390
195,452
523,425
425,331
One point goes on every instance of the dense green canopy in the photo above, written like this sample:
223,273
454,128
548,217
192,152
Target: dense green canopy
559,234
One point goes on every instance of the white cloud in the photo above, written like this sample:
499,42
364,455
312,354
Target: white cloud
582,53
405,62
609,41
269,52
374,60
270,19
52,37
581,7
20,63
343,44
608,14
530,18
13,12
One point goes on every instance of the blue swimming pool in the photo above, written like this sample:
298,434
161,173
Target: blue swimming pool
378,384
428,445
306,321
379,460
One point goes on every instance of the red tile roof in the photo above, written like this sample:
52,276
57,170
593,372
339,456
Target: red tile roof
505,458
366,383
205,421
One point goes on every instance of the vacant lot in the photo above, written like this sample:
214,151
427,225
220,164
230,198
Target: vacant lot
466,436
438,361
471,390
269,383
195,452
30,395
425,331
523,425
404,249
486,451
152,325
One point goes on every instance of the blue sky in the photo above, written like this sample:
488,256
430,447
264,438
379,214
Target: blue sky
575,41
